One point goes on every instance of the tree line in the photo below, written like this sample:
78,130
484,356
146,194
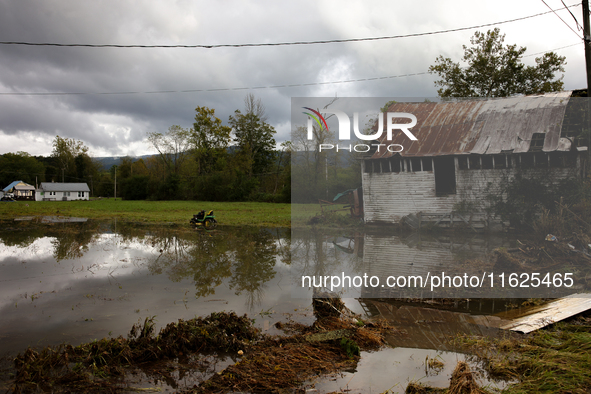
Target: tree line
209,161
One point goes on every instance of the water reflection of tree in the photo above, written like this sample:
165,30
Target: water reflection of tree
254,264
245,256
313,253
70,241
72,244
21,237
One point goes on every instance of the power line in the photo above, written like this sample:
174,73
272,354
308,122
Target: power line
555,49
571,14
211,90
563,21
236,88
212,46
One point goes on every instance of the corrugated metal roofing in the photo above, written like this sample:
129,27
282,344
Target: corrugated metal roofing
481,126
64,187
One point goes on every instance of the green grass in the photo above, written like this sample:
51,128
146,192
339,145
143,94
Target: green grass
552,360
180,212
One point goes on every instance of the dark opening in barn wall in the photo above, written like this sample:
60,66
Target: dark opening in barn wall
445,176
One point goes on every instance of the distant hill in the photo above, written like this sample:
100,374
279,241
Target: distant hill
108,162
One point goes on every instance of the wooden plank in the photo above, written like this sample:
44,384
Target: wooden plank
550,313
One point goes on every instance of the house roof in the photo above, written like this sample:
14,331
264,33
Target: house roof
64,187
481,126
24,186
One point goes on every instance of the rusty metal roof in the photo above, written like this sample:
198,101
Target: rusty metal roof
480,126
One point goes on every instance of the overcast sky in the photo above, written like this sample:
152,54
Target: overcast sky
117,124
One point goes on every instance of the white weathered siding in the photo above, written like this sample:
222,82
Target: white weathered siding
390,196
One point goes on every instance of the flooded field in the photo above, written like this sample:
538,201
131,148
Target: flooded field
82,282
77,282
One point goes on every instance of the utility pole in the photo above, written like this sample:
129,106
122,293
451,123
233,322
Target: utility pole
587,43
587,40
115,182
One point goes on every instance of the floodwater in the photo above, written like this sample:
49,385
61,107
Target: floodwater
76,282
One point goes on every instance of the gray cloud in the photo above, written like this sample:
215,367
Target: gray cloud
116,124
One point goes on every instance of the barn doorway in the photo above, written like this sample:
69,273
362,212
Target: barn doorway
445,176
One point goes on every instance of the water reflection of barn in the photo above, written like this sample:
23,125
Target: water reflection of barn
418,255
465,149
418,325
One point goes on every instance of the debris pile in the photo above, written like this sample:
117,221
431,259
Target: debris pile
95,365
274,364
462,381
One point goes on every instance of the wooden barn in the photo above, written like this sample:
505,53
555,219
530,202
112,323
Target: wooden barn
465,149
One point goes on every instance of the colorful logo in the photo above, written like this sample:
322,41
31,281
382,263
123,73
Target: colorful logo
315,118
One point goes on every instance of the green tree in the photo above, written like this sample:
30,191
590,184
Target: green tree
20,166
495,70
253,136
125,168
209,140
65,151
172,146
135,187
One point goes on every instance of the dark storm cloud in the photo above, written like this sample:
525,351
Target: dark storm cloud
117,123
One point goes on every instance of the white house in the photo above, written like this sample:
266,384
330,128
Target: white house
20,190
52,191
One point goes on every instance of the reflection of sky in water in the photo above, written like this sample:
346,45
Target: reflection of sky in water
112,284
76,287
391,370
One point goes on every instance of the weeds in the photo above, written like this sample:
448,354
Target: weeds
334,219
92,366
350,347
554,360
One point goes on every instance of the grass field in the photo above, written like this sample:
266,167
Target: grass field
226,213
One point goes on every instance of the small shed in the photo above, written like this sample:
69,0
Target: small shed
20,190
463,148
53,191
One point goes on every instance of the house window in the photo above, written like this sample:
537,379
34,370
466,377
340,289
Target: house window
541,160
80,194
415,163
462,162
526,161
445,176
395,164
500,161
537,142
427,164
474,162
67,194
52,193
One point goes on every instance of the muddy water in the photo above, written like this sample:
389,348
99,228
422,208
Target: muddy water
75,282
80,282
